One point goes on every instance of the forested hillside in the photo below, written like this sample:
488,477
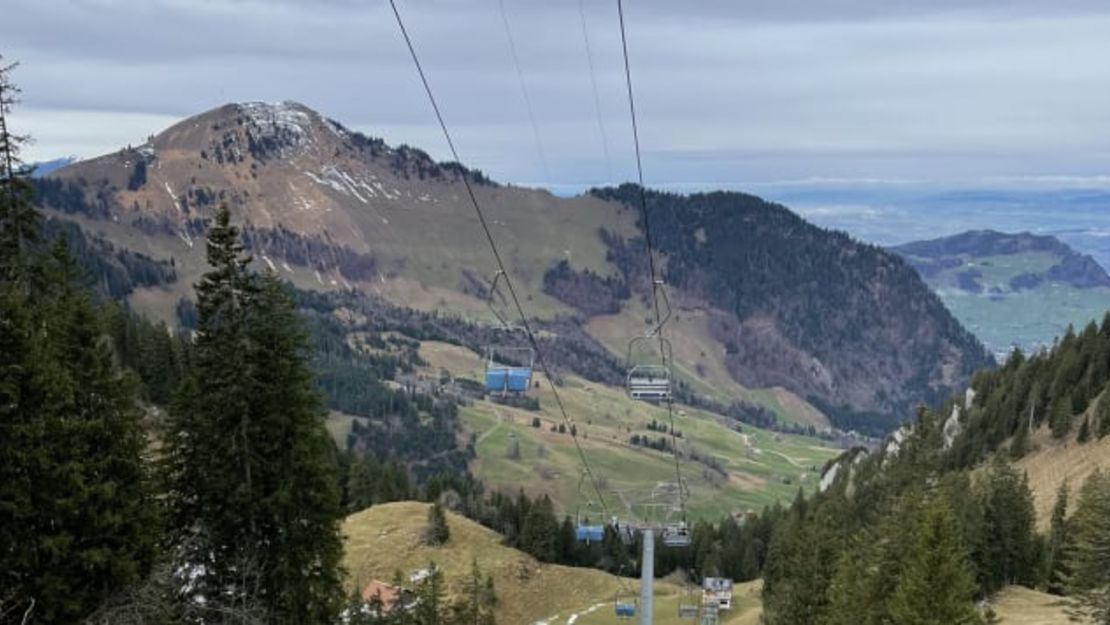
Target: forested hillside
846,325
1063,388
938,519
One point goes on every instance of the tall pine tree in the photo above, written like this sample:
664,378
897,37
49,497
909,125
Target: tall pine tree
1057,567
936,586
254,497
19,221
1007,544
1089,558
76,522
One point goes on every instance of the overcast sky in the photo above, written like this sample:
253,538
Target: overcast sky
739,94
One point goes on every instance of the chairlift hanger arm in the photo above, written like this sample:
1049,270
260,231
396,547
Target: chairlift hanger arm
666,356
502,322
659,286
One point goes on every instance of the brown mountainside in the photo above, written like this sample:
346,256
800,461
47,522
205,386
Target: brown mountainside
329,208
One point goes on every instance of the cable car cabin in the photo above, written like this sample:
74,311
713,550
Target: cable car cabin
506,379
677,535
649,383
589,533
625,609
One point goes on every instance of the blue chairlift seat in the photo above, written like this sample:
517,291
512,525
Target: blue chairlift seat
505,379
589,533
625,609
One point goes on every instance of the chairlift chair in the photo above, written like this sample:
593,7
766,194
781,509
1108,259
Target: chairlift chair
689,604
589,533
508,369
505,374
625,609
649,381
676,535
585,530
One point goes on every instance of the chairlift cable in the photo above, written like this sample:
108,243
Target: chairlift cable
593,85
497,258
655,285
524,92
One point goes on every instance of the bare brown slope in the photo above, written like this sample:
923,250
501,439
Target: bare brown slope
1053,461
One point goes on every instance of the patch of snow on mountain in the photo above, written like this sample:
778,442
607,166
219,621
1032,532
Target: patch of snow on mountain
286,124
327,182
351,184
277,116
173,196
390,194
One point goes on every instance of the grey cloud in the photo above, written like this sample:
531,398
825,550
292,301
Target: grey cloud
742,91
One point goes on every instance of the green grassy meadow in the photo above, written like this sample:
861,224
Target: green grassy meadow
743,471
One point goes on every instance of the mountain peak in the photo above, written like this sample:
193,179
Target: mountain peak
286,115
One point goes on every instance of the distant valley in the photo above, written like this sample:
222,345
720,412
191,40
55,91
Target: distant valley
1012,290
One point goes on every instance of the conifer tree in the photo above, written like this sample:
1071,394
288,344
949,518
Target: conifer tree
1060,419
1057,567
1008,539
872,565
539,535
936,586
855,597
254,498
75,505
477,600
801,563
19,220
1019,446
1089,582
1084,431
1102,413
363,475
430,608
296,480
437,532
